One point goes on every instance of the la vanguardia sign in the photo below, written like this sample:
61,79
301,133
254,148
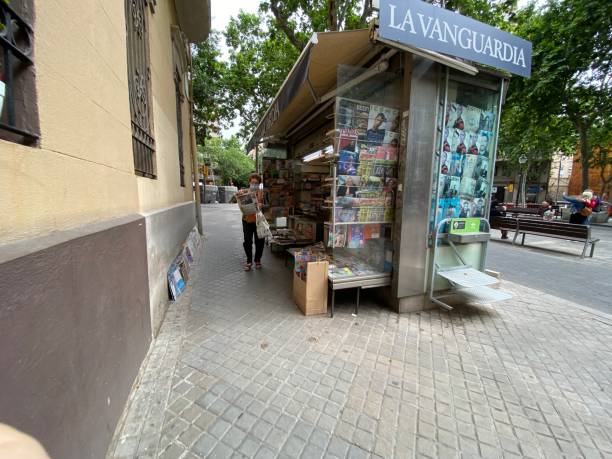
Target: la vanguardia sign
420,24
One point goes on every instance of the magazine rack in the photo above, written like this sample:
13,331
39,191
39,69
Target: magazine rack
465,280
363,180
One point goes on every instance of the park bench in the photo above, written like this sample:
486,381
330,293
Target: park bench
559,230
503,223
534,211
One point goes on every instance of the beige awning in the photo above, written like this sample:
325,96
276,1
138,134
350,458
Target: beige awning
316,70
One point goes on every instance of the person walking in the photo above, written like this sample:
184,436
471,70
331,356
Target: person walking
249,225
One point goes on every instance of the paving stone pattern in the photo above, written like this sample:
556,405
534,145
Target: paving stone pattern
530,377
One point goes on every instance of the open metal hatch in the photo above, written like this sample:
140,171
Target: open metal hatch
466,281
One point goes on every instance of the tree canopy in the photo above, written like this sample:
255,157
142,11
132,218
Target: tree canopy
227,160
566,103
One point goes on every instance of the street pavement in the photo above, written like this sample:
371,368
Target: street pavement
554,266
238,371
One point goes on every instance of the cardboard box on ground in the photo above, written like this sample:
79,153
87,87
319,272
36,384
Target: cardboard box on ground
310,294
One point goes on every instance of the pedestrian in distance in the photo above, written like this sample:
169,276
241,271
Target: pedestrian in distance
547,210
249,225
497,210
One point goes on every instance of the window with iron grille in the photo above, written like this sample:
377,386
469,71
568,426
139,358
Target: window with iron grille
179,123
19,115
139,82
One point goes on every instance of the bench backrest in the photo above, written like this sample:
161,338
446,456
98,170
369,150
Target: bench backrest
524,210
569,230
502,222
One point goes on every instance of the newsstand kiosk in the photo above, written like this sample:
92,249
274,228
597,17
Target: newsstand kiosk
408,136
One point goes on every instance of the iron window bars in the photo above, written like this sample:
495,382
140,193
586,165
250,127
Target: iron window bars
179,125
139,81
16,39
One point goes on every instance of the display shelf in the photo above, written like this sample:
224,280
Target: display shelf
359,223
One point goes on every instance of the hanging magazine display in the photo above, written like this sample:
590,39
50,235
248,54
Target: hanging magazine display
464,169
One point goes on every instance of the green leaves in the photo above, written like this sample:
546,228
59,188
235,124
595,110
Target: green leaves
228,160
568,94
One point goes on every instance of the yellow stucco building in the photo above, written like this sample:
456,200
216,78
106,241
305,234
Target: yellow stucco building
96,199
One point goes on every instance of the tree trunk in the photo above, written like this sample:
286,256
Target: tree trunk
332,16
585,154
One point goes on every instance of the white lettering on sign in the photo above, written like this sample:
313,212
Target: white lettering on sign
453,32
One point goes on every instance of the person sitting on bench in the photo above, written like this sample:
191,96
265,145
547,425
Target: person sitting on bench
498,211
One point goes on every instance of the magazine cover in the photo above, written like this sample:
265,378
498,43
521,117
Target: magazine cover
472,142
445,145
482,168
339,238
456,138
361,115
347,140
444,186
391,138
467,187
387,152
175,281
457,141
441,210
355,237
453,118
346,215
479,207
486,121
346,110
454,187
471,118
452,208
371,232
482,188
305,230
367,152
484,143
348,185
375,134
468,166
348,162
466,208
456,165
445,159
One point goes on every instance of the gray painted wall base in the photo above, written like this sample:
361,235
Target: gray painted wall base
167,229
74,328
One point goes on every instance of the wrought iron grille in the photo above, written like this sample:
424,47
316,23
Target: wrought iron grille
179,124
17,40
139,82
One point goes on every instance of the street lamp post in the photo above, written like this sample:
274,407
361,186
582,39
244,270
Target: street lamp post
521,194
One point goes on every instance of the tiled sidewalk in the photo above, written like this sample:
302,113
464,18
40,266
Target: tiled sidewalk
238,372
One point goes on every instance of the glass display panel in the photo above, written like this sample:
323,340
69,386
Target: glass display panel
466,152
364,171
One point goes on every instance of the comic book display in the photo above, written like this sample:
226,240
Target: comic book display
464,167
363,189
